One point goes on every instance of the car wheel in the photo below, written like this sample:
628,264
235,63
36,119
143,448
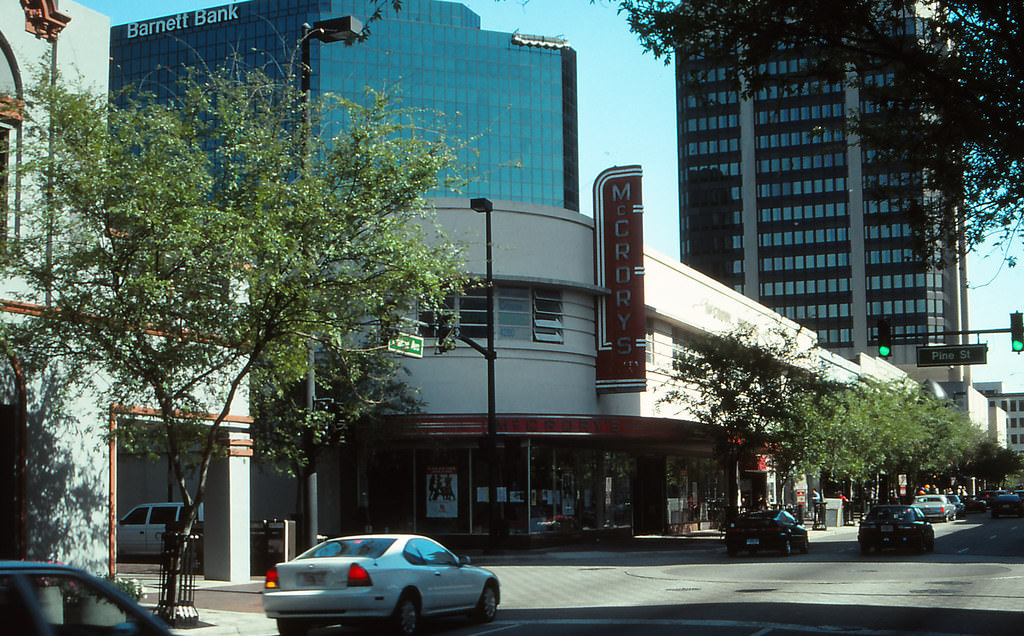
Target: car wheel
487,607
406,617
929,545
806,546
787,547
865,548
995,515
292,627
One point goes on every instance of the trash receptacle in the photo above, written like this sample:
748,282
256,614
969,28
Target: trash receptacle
833,513
258,548
280,540
273,541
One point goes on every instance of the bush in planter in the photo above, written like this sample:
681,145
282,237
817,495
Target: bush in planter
132,588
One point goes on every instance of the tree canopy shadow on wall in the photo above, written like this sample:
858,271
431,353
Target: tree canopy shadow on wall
68,478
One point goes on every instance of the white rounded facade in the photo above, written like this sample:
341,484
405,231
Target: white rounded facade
543,268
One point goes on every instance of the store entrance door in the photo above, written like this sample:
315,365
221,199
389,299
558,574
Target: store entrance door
649,496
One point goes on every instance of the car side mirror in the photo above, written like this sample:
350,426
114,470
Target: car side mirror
463,560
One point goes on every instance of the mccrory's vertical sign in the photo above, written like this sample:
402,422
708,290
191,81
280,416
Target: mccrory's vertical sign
619,250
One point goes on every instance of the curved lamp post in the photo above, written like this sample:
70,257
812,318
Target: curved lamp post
343,29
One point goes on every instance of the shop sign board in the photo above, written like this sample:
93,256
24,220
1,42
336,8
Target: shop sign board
183,21
619,268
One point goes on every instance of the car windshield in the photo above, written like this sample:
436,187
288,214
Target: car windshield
370,548
891,514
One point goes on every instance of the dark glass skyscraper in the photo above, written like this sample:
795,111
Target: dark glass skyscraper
777,203
510,96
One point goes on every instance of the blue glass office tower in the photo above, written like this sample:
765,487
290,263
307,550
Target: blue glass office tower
511,96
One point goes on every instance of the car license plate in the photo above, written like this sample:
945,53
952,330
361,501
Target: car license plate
312,578
752,541
887,528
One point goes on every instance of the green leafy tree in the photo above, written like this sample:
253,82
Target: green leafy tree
892,427
993,463
354,398
951,109
181,245
749,386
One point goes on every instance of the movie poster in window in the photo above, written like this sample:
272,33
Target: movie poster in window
442,492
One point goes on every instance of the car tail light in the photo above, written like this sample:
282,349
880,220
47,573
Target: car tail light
358,576
270,581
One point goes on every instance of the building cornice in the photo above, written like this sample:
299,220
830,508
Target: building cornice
43,20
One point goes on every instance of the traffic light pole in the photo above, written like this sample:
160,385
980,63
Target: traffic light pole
917,337
936,355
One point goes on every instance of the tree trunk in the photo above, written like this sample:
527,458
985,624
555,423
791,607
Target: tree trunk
732,486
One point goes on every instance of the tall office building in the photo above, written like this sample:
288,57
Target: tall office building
776,202
511,96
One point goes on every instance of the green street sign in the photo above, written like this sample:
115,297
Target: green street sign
952,355
407,345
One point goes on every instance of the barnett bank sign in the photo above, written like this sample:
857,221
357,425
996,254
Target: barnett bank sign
200,17
619,264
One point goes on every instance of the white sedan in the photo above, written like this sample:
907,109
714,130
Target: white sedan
936,507
396,578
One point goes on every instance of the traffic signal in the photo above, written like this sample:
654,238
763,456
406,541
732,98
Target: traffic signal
1017,331
884,339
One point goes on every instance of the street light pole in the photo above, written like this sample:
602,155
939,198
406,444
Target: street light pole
484,206
343,29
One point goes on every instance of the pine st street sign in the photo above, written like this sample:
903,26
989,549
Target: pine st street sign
952,355
407,345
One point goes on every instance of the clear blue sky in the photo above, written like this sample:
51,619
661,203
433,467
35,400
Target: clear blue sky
627,116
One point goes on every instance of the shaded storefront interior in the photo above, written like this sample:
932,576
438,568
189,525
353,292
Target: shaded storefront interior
557,477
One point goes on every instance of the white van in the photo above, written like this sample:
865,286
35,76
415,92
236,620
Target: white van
141,531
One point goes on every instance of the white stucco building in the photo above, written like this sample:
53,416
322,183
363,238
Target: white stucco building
59,479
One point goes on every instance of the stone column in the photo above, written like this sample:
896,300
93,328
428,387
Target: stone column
226,529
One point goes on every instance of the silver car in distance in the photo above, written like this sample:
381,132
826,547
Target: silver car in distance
392,578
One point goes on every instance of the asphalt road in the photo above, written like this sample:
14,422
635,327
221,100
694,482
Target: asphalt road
973,583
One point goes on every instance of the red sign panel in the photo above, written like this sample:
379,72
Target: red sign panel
562,426
619,262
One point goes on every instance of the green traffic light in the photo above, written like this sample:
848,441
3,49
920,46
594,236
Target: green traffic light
1017,331
884,339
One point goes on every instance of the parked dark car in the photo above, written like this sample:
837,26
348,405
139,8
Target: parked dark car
766,530
46,599
1008,504
974,505
895,527
988,495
